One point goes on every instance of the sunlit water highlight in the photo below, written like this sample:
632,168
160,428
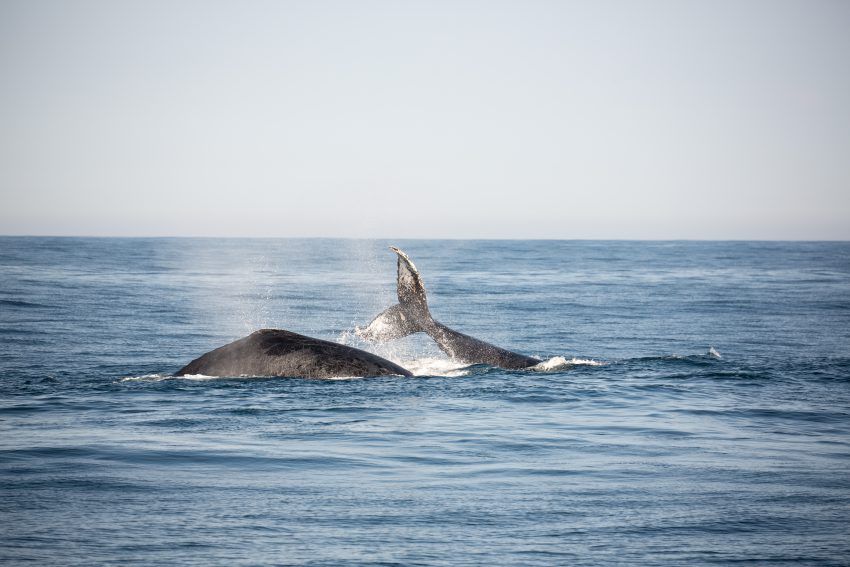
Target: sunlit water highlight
692,406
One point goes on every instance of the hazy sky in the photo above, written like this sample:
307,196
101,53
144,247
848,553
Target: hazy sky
668,119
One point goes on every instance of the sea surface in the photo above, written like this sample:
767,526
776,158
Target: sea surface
693,406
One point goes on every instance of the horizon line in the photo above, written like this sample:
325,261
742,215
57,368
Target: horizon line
448,238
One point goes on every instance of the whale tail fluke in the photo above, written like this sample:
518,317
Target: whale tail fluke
389,325
410,315
411,290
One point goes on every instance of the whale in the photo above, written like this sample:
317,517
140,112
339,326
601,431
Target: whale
281,353
412,315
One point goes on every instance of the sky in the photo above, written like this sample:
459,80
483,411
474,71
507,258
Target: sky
439,119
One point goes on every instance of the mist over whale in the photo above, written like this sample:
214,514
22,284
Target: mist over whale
281,353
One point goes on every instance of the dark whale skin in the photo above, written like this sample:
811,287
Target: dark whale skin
276,352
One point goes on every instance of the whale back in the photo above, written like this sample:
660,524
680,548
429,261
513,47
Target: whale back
277,352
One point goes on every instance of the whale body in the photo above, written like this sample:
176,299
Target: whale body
276,352
411,315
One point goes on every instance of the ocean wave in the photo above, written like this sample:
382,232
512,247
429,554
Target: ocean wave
708,358
19,303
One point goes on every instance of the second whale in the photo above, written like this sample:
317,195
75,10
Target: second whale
411,315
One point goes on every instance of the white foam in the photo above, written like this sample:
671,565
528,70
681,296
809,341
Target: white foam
435,366
205,377
161,377
714,353
560,362
147,378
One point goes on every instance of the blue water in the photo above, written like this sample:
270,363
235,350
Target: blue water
639,447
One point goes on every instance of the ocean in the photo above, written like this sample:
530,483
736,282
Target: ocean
693,406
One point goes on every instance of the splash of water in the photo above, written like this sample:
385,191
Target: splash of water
559,363
435,366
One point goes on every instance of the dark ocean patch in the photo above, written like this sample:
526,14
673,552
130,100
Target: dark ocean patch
23,304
